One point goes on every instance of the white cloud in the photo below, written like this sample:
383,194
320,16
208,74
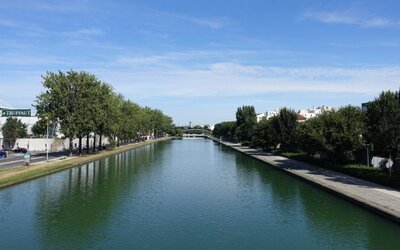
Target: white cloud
87,32
19,59
350,17
214,23
210,22
83,33
235,79
206,74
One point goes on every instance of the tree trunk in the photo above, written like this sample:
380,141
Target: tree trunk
94,143
100,146
71,145
87,143
80,145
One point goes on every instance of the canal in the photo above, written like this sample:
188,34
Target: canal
183,194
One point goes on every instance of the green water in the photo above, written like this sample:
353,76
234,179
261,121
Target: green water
183,194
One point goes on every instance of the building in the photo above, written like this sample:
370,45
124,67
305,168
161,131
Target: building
267,115
23,114
302,115
313,112
300,118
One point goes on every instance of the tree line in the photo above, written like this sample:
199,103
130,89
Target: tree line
340,136
84,106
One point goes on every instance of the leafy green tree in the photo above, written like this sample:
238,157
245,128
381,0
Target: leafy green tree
40,128
167,124
336,134
310,136
87,85
284,127
131,115
157,120
226,130
176,131
12,129
245,121
382,122
264,135
72,100
82,105
103,117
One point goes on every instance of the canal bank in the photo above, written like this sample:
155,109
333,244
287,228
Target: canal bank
377,198
14,176
184,194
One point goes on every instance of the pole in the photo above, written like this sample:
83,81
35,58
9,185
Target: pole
367,155
47,139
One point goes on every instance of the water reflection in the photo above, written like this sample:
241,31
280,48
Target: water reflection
184,194
327,218
283,190
74,209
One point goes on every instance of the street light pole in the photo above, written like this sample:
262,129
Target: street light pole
367,145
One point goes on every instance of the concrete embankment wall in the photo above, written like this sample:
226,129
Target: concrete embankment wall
56,145
379,199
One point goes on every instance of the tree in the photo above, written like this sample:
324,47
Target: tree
87,86
284,126
12,129
82,105
310,136
103,109
40,127
382,123
245,120
226,130
68,100
264,135
336,134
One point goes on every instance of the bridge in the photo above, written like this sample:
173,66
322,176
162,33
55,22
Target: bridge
192,132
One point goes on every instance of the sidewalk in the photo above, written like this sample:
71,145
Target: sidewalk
383,200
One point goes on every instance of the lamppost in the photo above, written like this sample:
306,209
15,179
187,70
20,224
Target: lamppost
367,146
47,138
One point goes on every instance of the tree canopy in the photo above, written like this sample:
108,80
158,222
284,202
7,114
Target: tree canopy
245,122
82,105
12,129
226,130
382,124
284,127
336,134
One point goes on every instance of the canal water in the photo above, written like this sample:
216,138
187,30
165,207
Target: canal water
183,194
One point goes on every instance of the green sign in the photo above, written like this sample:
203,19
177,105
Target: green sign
16,112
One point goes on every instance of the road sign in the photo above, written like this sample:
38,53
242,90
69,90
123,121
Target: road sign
16,112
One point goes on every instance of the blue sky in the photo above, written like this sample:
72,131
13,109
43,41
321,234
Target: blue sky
199,60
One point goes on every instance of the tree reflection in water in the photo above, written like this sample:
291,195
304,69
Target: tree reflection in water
74,207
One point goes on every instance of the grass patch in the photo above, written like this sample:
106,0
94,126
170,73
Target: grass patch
360,171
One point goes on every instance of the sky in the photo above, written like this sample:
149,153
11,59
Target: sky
200,60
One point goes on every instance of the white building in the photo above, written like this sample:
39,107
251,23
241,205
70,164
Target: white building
313,112
303,114
267,115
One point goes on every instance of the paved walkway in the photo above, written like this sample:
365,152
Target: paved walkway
373,196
